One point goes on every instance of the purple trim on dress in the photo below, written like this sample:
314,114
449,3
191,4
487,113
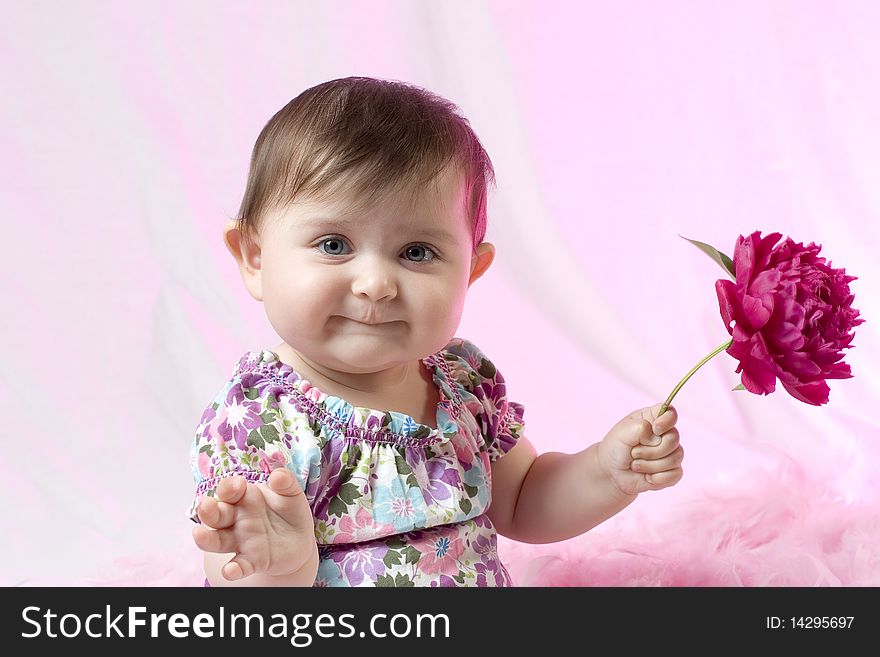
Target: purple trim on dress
250,475
447,373
380,435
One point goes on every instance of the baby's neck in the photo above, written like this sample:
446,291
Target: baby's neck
408,389
386,384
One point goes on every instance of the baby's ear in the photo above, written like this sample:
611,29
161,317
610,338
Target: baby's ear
483,256
247,256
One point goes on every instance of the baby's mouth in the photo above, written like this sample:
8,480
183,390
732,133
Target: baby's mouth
368,322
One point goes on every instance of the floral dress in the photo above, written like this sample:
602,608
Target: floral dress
395,502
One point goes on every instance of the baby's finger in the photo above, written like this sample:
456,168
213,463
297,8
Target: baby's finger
231,489
237,567
656,447
664,479
666,421
655,466
284,483
214,514
214,540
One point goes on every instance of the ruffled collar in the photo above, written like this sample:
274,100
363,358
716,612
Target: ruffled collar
358,421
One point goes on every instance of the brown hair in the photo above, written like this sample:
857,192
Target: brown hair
369,136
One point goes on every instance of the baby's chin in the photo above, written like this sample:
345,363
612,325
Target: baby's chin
364,361
355,354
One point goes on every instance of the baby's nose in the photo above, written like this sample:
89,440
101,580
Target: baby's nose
374,280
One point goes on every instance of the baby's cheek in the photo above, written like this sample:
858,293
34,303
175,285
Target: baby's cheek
452,297
443,308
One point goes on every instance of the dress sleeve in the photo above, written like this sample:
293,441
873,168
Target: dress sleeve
500,420
242,433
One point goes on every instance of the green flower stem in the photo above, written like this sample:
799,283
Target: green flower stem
690,374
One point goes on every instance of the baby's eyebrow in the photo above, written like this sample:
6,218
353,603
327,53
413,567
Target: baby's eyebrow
343,224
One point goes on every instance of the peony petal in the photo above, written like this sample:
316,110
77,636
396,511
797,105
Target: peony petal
757,379
815,392
792,311
765,282
787,337
839,371
727,301
741,335
755,253
743,260
760,350
799,364
739,349
755,311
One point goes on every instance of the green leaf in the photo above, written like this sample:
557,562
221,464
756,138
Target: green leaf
486,369
385,581
348,493
470,490
401,464
412,555
392,558
740,387
465,505
421,432
251,393
395,543
255,439
337,507
403,581
269,433
352,459
716,255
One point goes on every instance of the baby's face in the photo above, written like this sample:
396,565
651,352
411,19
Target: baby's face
375,289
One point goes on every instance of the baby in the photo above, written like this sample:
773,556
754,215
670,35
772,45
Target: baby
372,447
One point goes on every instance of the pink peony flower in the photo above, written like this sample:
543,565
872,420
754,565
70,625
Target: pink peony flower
793,317
790,315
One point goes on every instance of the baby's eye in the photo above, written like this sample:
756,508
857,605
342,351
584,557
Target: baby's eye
335,245
420,252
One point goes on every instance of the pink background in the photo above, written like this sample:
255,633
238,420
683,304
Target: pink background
126,130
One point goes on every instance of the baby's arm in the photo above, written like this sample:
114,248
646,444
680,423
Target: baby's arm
555,496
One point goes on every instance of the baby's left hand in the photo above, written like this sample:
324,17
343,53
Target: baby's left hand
637,457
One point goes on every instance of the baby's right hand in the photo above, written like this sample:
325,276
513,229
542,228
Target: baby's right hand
269,527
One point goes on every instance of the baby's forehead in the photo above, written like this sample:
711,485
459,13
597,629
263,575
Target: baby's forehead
425,202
